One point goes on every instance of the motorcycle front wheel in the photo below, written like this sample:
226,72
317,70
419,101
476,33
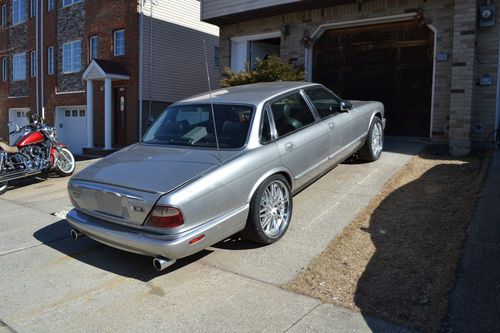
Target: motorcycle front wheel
65,164
3,187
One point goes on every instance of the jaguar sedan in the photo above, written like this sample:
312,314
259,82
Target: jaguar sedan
221,163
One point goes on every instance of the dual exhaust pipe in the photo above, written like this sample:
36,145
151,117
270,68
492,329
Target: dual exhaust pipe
75,234
159,263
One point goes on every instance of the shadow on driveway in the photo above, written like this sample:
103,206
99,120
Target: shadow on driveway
418,231
104,257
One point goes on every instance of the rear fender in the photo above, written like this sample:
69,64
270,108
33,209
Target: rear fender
269,174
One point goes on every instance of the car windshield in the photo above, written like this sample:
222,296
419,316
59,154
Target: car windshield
192,125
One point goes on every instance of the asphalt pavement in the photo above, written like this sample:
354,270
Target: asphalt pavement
51,283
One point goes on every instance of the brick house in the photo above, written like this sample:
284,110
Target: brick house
434,64
83,73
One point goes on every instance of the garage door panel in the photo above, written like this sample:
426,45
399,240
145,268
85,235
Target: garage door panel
73,128
391,63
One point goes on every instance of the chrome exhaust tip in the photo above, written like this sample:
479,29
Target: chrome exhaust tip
160,263
75,234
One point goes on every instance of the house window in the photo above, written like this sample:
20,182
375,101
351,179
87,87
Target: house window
4,16
70,2
93,47
216,56
50,60
18,11
34,65
72,57
247,51
19,67
33,4
4,69
50,5
119,44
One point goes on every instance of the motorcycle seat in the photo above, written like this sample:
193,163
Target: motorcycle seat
8,149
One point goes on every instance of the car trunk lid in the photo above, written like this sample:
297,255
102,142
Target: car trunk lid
123,187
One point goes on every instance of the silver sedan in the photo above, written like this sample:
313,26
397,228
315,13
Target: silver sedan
217,164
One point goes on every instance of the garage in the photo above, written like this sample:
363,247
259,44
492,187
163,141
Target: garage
72,128
17,117
391,63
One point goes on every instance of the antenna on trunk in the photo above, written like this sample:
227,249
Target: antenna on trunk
212,103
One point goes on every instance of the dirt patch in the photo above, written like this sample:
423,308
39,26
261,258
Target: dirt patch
397,260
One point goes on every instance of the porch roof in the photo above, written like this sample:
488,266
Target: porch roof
99,69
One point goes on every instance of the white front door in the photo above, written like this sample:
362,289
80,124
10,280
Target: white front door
17,117
71,128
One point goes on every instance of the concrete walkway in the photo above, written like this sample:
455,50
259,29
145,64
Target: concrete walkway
50,283
475,303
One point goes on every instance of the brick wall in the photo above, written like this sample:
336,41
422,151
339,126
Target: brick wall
78,21
459,103
103,18
439,14
462,75
485,97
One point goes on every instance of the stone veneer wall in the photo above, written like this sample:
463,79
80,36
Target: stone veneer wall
70,27
18,43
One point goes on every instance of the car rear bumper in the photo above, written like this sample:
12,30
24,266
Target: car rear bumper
152,244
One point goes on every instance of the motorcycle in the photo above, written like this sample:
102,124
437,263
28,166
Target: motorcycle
36,151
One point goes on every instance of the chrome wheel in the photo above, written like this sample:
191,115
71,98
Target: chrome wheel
377,139
66,161
274,212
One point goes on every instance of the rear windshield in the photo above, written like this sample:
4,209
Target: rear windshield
192,125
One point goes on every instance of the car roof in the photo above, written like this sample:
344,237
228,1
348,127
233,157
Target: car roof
246,94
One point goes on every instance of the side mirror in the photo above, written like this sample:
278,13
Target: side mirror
345,105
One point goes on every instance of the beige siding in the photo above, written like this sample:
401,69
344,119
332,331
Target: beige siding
178,66
217,8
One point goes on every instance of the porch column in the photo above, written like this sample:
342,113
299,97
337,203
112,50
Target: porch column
90,114
107,114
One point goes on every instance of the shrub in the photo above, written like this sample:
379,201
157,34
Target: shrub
271,69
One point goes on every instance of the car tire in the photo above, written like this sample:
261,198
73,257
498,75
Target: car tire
374,143
3,187
270,211
67,166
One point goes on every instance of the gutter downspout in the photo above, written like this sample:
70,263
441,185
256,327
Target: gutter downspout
141,55
37,61
41,63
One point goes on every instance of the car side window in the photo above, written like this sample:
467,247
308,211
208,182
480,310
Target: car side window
324,101
265,129
291,113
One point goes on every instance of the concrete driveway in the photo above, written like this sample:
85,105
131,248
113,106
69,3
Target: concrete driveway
50,283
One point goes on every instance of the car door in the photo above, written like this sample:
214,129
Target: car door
302,141
338,123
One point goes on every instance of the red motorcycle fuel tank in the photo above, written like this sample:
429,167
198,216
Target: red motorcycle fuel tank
30,139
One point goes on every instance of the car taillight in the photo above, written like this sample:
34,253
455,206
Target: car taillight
165,217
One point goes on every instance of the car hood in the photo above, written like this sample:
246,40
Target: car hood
152,168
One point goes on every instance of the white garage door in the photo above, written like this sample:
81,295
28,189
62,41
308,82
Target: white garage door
17,117
72,128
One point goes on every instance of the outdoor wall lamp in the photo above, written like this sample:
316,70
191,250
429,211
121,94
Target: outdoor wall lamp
487,14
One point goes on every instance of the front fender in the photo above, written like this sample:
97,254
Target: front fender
54,154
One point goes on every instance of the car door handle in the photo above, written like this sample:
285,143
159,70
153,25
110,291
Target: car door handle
331,125
289,146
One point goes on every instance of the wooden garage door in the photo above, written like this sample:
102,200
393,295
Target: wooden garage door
391,63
